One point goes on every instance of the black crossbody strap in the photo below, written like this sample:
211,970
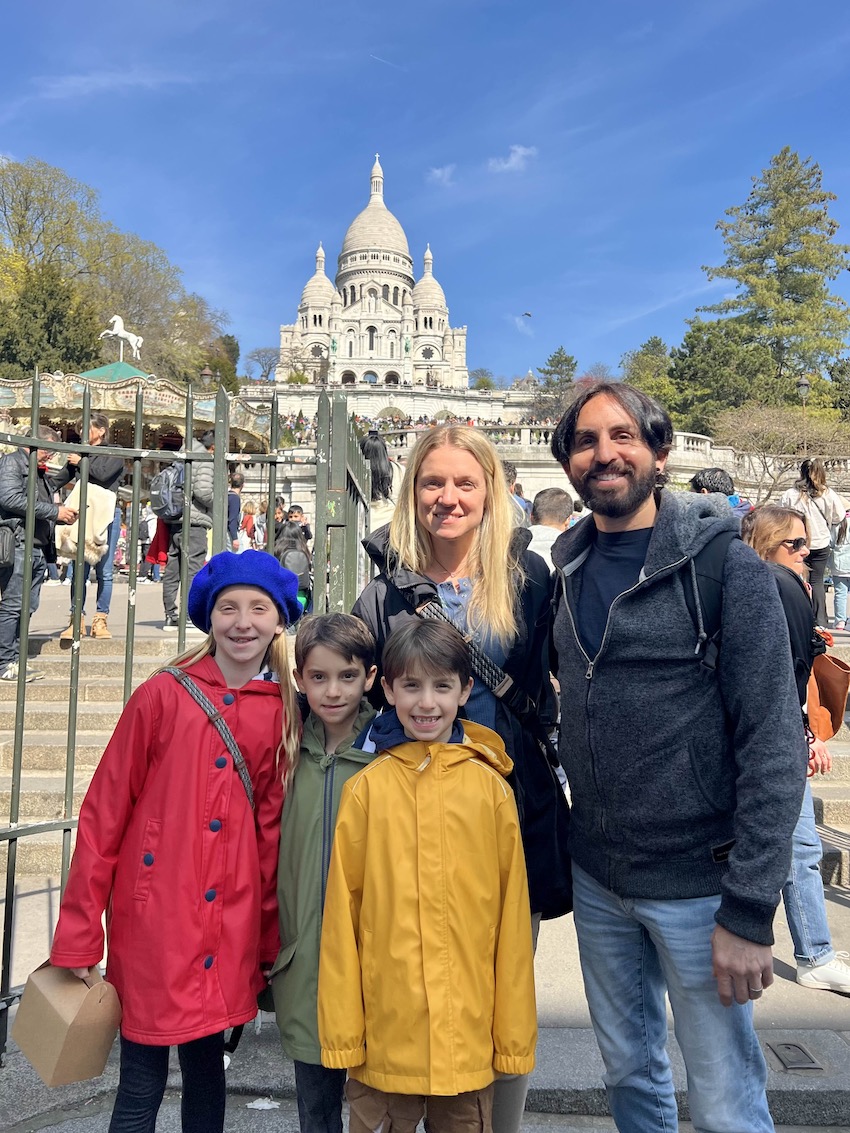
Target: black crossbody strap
203,701
514,698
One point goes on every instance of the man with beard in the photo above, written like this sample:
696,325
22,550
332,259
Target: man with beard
686,782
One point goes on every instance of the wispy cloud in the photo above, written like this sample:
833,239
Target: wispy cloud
516,161
387,63
91,84
442,175
521,324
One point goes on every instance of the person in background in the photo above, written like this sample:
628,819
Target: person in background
386,479
14,478
578,513
521,518
823,509
709,480
234,508
107,472
144,541
778,535
246,536
291,551
550,514
200,523
296,515
260,524
526,504
839,568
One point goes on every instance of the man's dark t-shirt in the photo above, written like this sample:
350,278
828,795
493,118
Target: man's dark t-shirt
613,566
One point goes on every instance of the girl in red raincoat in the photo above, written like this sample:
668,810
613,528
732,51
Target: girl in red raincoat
169,846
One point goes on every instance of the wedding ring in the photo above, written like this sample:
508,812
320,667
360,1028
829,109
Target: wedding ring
755,991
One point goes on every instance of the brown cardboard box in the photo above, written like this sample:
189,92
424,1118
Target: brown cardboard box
66,1026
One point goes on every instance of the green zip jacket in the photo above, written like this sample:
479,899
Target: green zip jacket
307,829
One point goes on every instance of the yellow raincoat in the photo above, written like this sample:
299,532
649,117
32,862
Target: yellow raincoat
426,976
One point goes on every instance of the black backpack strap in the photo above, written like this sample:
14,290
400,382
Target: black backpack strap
704,596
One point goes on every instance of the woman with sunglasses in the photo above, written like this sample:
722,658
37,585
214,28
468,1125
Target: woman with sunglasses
779,536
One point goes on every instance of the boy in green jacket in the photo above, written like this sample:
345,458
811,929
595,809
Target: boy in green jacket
334,668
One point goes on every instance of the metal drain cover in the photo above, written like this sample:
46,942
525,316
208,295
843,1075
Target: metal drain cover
795,1056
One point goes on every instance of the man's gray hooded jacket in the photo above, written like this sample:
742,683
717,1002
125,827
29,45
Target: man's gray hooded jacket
684,783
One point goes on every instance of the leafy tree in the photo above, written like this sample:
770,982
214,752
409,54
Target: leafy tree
481,373
298,378
265,358
47,325
556,386
597,372
648,369
770,442
781,254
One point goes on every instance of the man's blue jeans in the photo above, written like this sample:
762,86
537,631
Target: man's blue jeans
12,600
104,569
632,951
805,907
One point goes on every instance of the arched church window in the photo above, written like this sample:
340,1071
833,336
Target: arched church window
351,348
385,292
392,348
372,332
395,296
416,324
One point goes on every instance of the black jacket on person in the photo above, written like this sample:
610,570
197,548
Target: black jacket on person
14,474
104,470
388,601
800,615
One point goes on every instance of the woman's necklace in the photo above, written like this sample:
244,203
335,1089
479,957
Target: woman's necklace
454,576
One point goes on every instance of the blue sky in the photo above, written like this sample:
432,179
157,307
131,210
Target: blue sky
563,158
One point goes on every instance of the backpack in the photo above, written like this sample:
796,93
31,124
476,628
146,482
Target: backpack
299,564
709,593
166,492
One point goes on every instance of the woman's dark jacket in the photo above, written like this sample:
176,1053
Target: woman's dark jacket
389,601
800,615
104,470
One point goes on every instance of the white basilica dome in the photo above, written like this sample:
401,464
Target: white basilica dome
375,227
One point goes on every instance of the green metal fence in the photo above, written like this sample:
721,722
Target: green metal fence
342,495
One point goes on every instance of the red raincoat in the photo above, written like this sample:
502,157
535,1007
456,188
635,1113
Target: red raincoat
167,844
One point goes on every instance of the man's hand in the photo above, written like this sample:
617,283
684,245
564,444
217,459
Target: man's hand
74,458
66,514
742,969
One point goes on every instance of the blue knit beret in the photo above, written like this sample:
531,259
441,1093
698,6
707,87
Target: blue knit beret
251,568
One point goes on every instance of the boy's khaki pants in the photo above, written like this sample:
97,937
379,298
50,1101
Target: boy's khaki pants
373,1111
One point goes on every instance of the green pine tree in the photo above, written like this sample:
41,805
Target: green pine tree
781,254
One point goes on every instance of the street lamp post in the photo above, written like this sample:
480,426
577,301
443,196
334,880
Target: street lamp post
804,386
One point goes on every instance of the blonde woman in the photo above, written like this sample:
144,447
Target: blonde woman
823,509
452,538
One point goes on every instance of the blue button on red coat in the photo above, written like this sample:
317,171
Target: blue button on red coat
221,761
208,962
148,859
228,698
209,895
215,825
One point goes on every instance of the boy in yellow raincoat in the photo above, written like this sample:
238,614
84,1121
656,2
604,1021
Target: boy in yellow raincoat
426,982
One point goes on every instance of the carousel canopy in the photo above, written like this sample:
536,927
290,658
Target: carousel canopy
115,372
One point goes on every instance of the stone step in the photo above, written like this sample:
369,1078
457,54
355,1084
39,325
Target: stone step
163,646
46,750
59,668
101,689
835,865
40,854
832,803
52,715
42,797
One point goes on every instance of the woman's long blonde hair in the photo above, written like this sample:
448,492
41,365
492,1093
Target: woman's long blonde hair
277,659
493,605
767,525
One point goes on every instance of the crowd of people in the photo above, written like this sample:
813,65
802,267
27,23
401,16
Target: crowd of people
380,851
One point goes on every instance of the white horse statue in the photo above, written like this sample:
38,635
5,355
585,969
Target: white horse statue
134,341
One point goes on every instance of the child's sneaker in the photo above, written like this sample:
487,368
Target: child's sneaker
832,976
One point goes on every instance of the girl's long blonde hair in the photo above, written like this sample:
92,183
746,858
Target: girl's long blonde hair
493,605
277,659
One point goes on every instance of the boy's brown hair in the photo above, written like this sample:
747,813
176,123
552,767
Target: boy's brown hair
343,633
431,647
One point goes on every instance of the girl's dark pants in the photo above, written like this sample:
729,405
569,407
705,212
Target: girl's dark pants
144,1070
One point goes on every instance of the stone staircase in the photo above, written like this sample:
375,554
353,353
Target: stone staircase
100,700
